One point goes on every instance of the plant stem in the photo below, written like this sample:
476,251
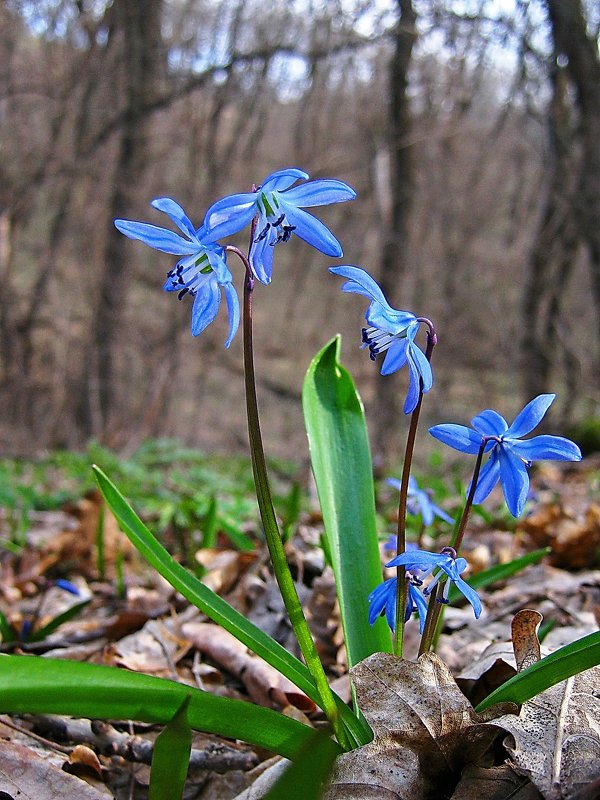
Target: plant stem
271,528
435,610
401,588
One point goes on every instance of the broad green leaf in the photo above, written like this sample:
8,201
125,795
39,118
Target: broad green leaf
341,462
36,685
499,572
171,757
558,666
304,778
215,607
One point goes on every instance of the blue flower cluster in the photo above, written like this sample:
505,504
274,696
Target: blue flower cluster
419,564
276,211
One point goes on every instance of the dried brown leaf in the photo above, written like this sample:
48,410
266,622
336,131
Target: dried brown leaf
556,737
26,775
526,644
494,783
265,684
425,731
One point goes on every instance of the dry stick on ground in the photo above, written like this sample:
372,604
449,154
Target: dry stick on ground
107,741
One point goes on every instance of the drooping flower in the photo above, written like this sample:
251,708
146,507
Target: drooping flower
201,272
390,331
421,563
382,600
419,502
509,454
279,206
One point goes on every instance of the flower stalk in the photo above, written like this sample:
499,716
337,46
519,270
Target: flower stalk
435,610
269,521
401,586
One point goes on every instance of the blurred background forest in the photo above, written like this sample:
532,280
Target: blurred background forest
470,130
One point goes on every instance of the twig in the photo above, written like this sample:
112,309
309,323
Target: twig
108,741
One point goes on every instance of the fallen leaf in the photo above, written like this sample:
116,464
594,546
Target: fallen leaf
494,783
556,737
573,537
27,776
223,567
425,732
526,644
265,684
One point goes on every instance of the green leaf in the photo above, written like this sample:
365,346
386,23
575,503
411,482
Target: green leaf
499,572
558,666
41,633
341,462
305,777
171,757
216,608
6,629
36,685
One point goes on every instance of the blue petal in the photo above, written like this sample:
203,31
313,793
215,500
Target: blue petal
261,259
490,423
396,357
421,377
439,512
319,193
388,319
457,436
176,213
416,598
426,508
206,306
383,597
555,448
365,284
233,308
282,179
229,215
470,594
311,230
414,384
488,478
530,417
418,558
159,238
515,481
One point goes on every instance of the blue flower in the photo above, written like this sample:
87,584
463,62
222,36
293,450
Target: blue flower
202,271
420,564
510,454
67,586
382,600
278,205
419,502
392,331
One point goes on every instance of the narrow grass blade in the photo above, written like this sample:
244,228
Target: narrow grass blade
215,607
305,777
558,666
41,633
171,757
35,685
341,462
6,630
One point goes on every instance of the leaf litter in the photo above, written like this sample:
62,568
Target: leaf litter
429,742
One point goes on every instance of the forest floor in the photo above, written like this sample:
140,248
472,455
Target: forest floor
133,619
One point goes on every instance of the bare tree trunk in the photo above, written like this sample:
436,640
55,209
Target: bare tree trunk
139,24
396,236
554,249
572,39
